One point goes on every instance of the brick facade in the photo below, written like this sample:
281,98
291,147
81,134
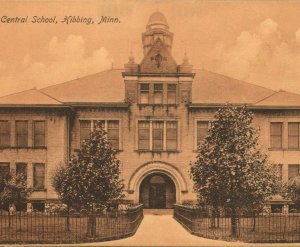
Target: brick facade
62,121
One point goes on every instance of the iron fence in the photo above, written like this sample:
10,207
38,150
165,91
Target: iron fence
258,228
40,227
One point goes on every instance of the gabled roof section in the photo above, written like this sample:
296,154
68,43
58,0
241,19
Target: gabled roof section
158,60
29,97
105,87
281,98
213,88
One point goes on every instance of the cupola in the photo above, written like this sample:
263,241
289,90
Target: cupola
157,28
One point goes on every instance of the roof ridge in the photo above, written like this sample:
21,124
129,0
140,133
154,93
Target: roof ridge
284,91
60,83
242,81
50,96
269,96
6,95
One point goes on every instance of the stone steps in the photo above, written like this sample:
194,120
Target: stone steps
167,211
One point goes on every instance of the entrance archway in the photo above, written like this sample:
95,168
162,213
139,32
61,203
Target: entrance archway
171,171
157,190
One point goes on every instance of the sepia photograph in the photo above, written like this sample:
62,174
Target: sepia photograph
150,123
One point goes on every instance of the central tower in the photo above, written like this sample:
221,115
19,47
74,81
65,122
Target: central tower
158,92
158,79
157,28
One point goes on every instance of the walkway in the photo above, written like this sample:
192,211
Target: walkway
163,230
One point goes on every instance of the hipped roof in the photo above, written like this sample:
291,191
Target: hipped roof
107,87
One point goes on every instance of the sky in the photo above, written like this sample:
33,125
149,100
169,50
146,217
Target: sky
254,41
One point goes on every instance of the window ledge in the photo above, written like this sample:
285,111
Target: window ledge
39,190
159,105
275,149
157,151
23,148
118,151
284,149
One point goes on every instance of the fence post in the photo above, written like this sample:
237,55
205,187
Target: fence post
234,223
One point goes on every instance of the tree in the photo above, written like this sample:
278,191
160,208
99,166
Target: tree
13,191
293,190
90,180
230,170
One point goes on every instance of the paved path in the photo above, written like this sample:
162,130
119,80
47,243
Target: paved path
163,230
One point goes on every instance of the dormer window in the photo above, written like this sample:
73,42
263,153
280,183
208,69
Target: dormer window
171,94
158,59
144,93
158,94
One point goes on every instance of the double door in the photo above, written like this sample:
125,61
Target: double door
157,195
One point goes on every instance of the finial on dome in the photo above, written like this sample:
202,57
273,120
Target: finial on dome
185,67
131,57
131,66
185,59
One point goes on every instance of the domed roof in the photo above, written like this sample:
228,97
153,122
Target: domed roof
157,18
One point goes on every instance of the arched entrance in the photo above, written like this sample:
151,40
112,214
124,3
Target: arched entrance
157,190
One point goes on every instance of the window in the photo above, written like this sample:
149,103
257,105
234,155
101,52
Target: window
144,135
39,133
158,94
294,170
276,135
38,206
21,133
144,93
276,208
21,206
113,133
171,135
171,93
202,130
101,122
4,133
39,176
158,135
4,170
293,135
85,130
294,208
112,127
21,170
